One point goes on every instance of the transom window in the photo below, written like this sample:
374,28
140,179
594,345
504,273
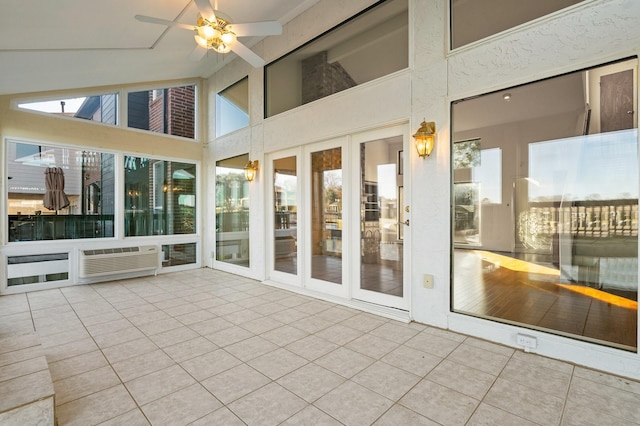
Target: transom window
370,45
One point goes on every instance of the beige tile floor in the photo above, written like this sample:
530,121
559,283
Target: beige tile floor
205,347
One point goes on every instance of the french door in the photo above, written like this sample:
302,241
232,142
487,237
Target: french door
337,217
382,216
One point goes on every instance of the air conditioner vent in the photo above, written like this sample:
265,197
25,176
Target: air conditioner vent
111,261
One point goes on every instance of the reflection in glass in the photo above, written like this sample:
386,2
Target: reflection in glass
475,20
232,108
178,254
326,215
561,252
159,197
85,177
99,108
381,239
285,196
340,59
232,211
170,111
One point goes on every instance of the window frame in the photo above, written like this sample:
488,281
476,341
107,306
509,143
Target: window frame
122,106
15,105
576,337
154,89
171,238
4,207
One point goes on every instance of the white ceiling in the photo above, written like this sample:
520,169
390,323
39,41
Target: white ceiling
63,44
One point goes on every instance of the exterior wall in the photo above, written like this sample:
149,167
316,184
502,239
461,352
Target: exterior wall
179,115
590,33
157,111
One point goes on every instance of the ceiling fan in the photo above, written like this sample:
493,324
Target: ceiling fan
220,35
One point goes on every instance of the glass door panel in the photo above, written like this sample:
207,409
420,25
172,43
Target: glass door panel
383,215
381,243
232,211
285,209
326,215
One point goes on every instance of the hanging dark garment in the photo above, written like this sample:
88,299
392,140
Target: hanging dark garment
54,197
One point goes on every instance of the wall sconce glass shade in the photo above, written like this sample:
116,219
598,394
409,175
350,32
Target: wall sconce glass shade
251,170
425,138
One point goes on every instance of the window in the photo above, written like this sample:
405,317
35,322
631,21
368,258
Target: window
368,46
100,108
232,108
37,268
178,254
59,192
561,255
159,197
170,111
477,19
232,211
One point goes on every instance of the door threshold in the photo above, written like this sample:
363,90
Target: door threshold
372,308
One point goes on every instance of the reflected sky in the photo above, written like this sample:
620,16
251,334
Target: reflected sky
603,166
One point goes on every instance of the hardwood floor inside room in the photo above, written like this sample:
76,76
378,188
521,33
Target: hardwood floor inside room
513,290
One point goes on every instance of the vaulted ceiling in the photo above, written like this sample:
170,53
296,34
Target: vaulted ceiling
63,44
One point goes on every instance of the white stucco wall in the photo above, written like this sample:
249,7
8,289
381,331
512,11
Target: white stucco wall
591,33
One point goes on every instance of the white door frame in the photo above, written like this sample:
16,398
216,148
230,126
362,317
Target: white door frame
377,298
272,274
340,290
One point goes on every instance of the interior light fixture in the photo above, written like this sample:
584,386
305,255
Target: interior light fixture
506,96
251,170
214,35
425,138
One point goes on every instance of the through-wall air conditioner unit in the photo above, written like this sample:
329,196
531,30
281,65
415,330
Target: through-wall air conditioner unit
119,260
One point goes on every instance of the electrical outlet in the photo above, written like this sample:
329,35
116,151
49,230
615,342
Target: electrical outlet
528,342
427,281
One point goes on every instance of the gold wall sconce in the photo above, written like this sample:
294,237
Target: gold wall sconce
251,170
425,138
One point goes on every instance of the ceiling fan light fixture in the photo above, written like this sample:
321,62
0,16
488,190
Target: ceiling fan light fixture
221,48
207,31
214,35
213,32
228,37
201,41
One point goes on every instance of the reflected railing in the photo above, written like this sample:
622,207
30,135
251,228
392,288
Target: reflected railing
59,227
594,243
592,218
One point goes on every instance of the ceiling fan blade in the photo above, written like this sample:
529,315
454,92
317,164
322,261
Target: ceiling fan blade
204,6
152,20
247,54
257,29
197,53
